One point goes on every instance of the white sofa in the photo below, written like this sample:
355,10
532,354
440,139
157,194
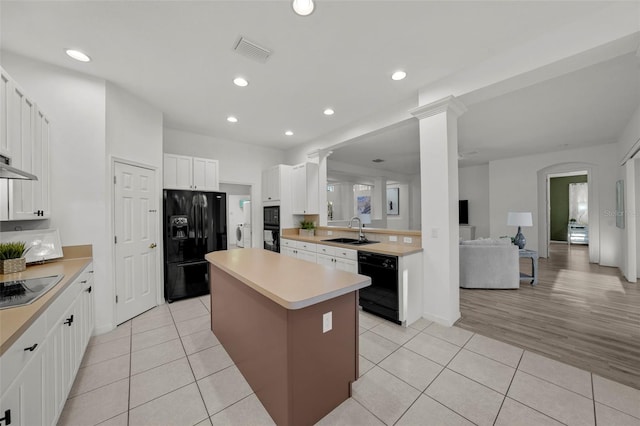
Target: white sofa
489,263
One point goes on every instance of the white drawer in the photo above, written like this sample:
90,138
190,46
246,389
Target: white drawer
86,276
346,253
287,243
328,250
62,303
301,245
20,353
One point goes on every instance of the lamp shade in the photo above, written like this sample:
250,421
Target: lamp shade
519,219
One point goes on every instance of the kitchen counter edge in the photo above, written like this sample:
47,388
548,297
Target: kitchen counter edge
15,321
382,248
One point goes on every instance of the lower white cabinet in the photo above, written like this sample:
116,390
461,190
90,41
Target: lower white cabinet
41,366
333,257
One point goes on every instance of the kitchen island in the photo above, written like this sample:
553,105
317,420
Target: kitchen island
290,326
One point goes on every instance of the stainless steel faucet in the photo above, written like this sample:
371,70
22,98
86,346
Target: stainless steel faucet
361,236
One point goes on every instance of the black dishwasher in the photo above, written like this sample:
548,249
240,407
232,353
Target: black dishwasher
381,298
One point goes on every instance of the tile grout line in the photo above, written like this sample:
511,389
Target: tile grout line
191,368
593,394
427,387
508,388
129,378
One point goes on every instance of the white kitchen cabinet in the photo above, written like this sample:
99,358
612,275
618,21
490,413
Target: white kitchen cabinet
24,139
338,258
39,371
205,174
5,89
23,402
190,173
298,249
304,196
276,184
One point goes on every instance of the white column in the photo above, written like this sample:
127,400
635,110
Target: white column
379,202
439,200
320,157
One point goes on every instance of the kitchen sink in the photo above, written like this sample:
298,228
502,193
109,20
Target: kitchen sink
351,241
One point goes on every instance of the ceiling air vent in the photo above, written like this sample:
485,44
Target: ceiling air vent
378,160
252,50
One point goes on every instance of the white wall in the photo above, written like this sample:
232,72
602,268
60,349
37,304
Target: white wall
75,103
630,135
239,163
473,185
401,221
134,134
514,187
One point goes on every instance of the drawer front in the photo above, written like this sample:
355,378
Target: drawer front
287,243
346,253
62,303
328,250
306,246
86,276
21,352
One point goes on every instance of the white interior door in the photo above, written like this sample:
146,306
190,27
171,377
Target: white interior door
136,238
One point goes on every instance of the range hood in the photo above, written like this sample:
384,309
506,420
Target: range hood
9,172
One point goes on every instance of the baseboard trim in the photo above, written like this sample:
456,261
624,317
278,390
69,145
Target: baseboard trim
103,329
441,320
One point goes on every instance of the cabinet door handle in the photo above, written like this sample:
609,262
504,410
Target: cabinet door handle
7,417
30,349
83,282
68,321
91,272
88,290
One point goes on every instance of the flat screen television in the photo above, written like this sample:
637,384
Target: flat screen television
463,212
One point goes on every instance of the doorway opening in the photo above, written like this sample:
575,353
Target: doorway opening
585,227
239,212
568,208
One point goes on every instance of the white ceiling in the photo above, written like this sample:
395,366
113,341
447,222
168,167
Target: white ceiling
177,55
583,108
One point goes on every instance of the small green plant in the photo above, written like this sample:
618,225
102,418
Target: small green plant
13,250
307,224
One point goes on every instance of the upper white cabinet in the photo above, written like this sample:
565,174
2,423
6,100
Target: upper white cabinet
305,188
25,139
275,182
190,173
5,89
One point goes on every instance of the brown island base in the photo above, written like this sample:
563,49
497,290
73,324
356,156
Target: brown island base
290,326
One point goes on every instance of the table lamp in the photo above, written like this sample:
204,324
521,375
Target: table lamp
519,219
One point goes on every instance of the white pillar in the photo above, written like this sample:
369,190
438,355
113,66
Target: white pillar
439,199
320,157
379,202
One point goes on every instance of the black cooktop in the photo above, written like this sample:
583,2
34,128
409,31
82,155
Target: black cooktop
22,292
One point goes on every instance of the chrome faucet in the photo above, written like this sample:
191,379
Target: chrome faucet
361,236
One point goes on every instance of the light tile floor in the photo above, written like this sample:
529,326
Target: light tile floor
166,367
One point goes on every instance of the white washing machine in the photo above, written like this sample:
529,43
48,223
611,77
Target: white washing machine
246,232
240,235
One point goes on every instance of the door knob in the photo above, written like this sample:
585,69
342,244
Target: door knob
153,245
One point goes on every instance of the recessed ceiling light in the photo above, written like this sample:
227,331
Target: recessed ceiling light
303,7
398,75
78,55
232,119
328,111
241,82
288,133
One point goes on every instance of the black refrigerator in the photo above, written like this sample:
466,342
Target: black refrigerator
195,223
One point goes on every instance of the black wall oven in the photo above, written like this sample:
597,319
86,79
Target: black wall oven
271,233
381,298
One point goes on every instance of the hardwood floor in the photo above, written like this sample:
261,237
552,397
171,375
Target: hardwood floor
582,314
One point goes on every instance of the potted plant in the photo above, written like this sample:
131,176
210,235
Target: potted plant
12,257
307,228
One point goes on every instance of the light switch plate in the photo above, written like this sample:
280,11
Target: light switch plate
327,322
393,238
407,240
